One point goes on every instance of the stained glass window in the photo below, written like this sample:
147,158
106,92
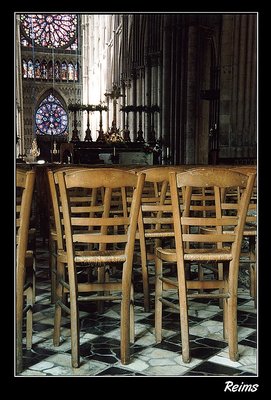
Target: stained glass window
53,72
24,69
37,70
49,30
70,71
51,118
76,72
44,69
30,69
57,70
50,70
64,69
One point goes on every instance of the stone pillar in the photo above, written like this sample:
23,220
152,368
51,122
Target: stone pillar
19,93
191,96
238,88
166,74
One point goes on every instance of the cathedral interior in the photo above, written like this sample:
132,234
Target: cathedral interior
185,83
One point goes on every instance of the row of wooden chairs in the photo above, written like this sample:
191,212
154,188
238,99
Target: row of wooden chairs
101,213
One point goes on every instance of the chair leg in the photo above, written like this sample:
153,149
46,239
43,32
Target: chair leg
132,316
29,318
33,277
225,319
75,330
52,267
220,277
20,279
226,307
19,332
182,291
158,303
232,328
145,277
253,270
101,279
253,283
59,299
75,336
125,315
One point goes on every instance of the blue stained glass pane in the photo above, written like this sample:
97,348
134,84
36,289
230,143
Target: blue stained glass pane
51,118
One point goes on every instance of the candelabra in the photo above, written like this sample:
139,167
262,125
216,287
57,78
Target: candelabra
74,108
167,158
140,138
54,150
88,108
34,151
126,131
101,108
151,133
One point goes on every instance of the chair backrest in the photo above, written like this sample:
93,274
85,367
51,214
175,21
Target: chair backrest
156,203
56,204
24,193
251,220
188,224
95,223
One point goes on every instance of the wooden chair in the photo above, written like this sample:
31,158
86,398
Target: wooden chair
55,230
24,262
249,256
91,233
155,218
219,247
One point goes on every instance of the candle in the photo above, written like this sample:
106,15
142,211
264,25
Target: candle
167,152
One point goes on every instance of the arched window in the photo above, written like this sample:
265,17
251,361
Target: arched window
44,70
49,30
64,71
37,70
24,69
70,71
51,118
76,68
57,70
30,69
50,70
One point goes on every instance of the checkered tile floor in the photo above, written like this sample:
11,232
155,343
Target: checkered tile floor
100,345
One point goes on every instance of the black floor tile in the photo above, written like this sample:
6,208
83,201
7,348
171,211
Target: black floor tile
251,340
247,319
204,348
166,345
111,371
35,355
208,368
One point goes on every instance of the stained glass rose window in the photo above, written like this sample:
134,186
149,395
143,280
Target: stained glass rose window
51,118
49,30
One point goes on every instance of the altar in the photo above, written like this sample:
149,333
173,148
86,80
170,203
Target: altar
86,152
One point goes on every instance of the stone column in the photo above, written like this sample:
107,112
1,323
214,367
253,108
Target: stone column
19,92
166,88
238,95
191,96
